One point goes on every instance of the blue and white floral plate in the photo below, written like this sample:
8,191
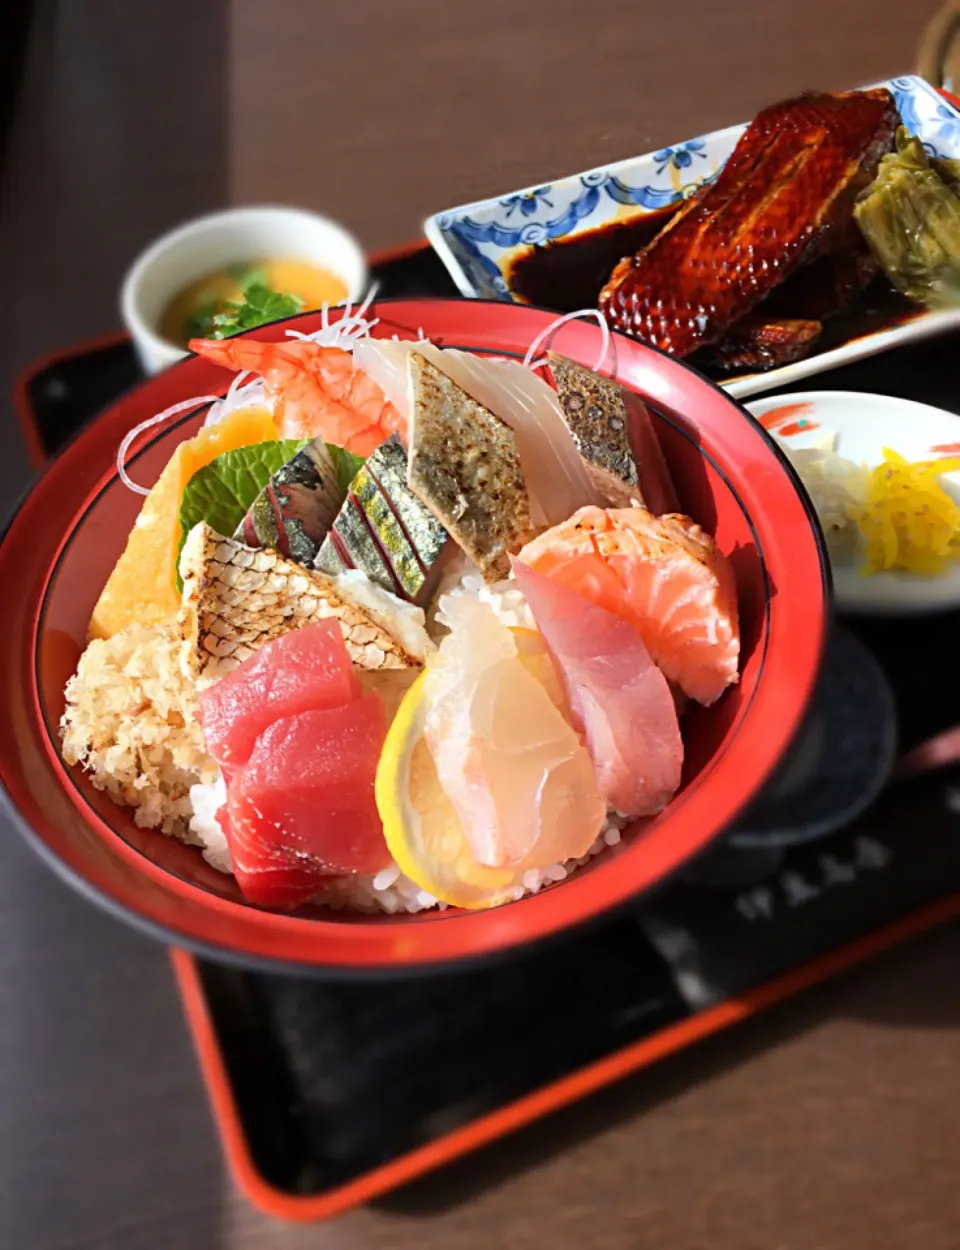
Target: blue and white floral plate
478,242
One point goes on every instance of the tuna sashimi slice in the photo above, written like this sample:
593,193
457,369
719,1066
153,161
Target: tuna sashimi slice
267,877
306,669
619,699
309,784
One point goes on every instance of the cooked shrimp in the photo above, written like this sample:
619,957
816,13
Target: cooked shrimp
664,575
316,391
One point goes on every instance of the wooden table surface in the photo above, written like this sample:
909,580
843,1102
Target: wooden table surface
834,1122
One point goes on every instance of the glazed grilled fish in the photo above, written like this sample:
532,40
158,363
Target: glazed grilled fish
757,344
294,511
787,189
384,530
236,598
465,467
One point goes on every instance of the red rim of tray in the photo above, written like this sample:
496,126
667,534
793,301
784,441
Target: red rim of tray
178,911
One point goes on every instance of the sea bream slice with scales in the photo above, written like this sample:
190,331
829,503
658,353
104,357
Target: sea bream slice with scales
236,598
465,466
294,511
385,531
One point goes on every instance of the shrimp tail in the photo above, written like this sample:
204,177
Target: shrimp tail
220,351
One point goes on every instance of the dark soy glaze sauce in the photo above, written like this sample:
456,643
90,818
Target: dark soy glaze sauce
880,307
569,273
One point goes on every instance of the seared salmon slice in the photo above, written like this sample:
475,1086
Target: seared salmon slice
663,574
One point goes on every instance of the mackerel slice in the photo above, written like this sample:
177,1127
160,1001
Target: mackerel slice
236,598
464,465
294,511
384,530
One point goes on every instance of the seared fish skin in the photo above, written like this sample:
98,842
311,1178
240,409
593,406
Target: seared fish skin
788,187
596,415
236,598
464,465
384,530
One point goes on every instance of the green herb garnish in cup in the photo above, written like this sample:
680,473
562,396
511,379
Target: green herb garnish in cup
222,318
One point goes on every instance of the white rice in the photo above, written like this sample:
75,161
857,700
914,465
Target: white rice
207,801
464,580
390,891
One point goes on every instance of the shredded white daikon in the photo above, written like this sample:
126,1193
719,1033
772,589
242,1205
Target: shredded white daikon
549,331
837,487
242,394
185,406
344,332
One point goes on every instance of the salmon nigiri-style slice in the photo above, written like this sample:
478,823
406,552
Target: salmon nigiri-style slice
662,574
618,698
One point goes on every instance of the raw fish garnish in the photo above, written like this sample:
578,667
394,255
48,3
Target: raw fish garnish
545,335
185,406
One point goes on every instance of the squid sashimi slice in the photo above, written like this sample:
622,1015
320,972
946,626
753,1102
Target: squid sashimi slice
303,807
511,765
662,574
306,669
618,698
384,361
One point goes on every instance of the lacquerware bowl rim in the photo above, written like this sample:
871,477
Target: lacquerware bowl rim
559,927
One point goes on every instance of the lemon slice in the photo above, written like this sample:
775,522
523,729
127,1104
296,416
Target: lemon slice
422,830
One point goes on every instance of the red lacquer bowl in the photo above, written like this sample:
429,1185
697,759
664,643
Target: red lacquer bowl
60,545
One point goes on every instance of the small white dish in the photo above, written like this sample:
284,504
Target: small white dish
232,237
864,425
480,242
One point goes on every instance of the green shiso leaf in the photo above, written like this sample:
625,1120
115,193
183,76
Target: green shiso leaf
346,464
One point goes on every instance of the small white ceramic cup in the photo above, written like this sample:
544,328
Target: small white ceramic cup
233,237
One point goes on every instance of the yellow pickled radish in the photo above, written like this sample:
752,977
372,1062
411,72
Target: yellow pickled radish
142,588
908,520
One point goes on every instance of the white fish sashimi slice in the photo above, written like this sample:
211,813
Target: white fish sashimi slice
515,772
556,476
